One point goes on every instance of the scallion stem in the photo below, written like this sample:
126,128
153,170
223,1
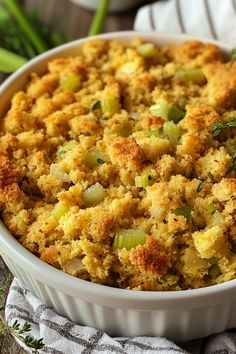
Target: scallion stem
99,18
9,61
26,26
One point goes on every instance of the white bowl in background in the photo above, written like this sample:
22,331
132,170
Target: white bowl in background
177,315
114,6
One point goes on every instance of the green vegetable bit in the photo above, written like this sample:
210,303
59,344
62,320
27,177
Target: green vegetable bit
233,54
160,108
217,127
184,211
200,185
214,271
153,132
9,62
60,210
211,177
170,279
172,131
110,105
129,238
94,159
176,114
194,75
211,208
71,83
99,18
147,50
94,195
142,181
63,149
96,105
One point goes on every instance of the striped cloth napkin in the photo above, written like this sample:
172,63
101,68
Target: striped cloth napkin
62,336
214,19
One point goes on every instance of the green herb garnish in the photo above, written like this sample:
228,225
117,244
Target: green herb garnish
96,105
100,161
200,186
217,127
211,177
184,211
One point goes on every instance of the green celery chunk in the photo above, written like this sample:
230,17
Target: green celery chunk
94,195
129,238
160,108
214,271
172,131
110,105
153,132
142,181
176,114
211,208
124,130
63,149
71,83
193,75
59,210
170,279
184,211
147,50
94,159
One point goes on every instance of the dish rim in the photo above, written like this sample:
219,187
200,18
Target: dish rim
57,277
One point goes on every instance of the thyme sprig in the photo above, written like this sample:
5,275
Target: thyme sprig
19,331
217,127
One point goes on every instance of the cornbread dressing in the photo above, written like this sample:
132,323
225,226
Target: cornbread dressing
118,165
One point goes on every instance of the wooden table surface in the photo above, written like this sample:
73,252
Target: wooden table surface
75,20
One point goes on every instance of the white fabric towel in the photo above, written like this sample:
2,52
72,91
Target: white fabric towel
62,336
203,18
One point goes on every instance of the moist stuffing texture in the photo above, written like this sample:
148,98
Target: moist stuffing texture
118,165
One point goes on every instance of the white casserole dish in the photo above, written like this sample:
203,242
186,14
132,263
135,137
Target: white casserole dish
180,315
114,6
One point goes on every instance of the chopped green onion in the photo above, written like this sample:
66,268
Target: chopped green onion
60,210
63,149
200,186
233,54
211,177
214,271
128,238
142,181
71,83
153,132
96,105
176,114
147,50
160,108
194,75
184,211
110,105
94,159
211,208
10,62
172,131
94,195
170,279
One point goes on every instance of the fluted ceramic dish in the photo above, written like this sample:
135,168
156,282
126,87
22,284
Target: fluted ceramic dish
178,315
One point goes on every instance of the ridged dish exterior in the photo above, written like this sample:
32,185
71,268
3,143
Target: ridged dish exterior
178,325
180,316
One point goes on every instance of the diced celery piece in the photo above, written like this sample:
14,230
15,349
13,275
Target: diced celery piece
142,181
160,108
176,114
211,208
124,130
63,149
94,159
110,105
153,132
214,271
170,279
147,50
172,131
128,238
60,210
94,195
184,211
194,75
71,83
